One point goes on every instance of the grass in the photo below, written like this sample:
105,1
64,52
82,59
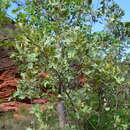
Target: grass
8,122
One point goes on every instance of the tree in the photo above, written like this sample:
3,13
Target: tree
81,66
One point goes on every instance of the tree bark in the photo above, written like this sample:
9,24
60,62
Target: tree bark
61,113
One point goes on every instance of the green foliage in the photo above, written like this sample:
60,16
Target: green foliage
5,4
127,24
8,30
84,67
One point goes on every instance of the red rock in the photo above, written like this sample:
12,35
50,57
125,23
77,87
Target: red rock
14,105
18,116
40,101
7,75
9,83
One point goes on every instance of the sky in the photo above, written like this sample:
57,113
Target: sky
125,5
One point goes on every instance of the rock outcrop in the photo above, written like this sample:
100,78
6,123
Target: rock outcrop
8,83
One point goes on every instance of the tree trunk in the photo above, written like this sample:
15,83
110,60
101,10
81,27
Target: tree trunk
61,113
